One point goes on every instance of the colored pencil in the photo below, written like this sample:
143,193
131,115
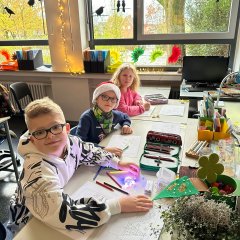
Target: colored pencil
104,185
117,172
97,173
118,189
159,158
113,179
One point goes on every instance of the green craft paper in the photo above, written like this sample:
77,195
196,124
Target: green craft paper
178,188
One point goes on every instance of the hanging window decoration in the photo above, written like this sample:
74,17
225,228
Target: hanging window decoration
136,53
156,53
119,5
176,53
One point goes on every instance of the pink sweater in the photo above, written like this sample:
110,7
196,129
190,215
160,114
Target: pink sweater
129,103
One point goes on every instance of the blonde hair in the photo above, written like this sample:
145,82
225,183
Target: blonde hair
40,107
136,80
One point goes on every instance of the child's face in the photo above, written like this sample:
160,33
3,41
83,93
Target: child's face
51,144
107,101
126,78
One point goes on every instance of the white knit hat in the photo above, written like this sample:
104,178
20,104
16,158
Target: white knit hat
104,87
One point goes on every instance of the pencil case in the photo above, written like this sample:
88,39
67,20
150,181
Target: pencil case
155,162
160,137
155,99
157,155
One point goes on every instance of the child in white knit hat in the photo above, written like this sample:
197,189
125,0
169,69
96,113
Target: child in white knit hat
98,122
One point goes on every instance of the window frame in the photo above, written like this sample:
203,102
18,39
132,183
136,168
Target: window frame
229,37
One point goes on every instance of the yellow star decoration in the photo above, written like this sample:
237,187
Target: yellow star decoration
209,168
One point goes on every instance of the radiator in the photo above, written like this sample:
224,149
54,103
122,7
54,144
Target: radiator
38,90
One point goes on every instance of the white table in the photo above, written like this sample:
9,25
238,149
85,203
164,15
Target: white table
156,117
34,227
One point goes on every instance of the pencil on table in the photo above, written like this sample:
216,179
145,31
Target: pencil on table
118,189
103,185
113,179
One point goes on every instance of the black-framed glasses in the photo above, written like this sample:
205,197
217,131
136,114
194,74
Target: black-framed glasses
55,130
107,98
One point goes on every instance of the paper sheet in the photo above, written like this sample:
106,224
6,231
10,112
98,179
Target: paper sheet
134,226
122,141
148,113
166,127
172,110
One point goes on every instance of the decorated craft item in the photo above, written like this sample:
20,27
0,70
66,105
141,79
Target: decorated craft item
114,56
176,53
209,168
156,53
169,138
8,64
210,171
136,53
179,188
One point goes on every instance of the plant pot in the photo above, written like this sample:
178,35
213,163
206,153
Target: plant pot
229,199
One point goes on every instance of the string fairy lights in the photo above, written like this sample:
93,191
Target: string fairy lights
63,37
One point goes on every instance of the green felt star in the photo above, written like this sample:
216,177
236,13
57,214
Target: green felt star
209,168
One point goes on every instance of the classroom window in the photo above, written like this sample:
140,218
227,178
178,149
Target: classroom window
199,27
112,21
158,55
23,25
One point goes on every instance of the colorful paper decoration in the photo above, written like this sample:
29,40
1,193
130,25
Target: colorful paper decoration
137,52
156,53
209,168
176,53
178,188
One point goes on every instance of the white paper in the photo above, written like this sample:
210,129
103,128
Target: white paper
121,141
172,110
148,113
137,226
134,226
166,127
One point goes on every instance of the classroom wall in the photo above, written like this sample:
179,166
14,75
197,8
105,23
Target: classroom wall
74,93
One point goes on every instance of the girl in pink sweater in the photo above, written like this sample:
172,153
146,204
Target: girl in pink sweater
127,79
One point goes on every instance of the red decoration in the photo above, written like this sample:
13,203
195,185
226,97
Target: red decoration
6,54
8,64
176,53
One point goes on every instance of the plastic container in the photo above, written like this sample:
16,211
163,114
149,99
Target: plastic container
165,177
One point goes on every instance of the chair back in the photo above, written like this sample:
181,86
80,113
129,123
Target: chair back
3,232
20,90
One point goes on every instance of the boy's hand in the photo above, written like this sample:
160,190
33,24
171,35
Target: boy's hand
126,130
139,203
146,106
117,151
130,167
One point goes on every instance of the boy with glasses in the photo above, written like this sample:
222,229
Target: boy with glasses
98,122
51,157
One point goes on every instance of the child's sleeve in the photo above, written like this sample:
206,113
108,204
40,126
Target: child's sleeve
83,128
89,154
124,119
45,199
131,110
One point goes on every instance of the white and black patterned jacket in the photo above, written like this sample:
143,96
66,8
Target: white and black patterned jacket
43,179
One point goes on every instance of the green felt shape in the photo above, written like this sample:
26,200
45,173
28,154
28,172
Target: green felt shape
209,168
136,53
178,188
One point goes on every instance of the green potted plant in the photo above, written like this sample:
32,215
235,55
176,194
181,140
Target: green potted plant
198,218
